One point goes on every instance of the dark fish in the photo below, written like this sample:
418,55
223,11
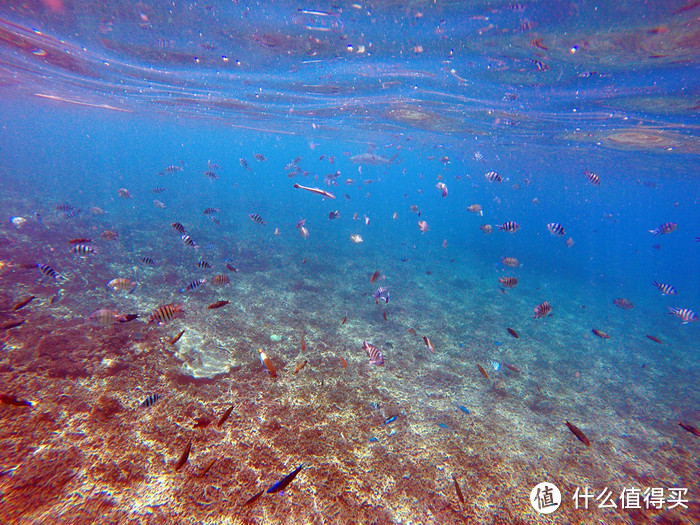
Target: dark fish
10,324
23,302
623,303
541,66
300,366
483,372
259,157
183,457
384,314
512,368
172,169
202,422
343,361
148,261
577,432
217,304
428,343
230,267
513,333
303,343
655,339
150,401
79,240
203,265
344,318
177,337
460,496
282,484
225,416
256,218
542,310
64,207
253,499
178,227
509,226
209,211
14,401
126,318
492,176
665,289
556,229
73,213
666,227
211,175
207,468
375,356
159,189
592,178
375,276
600,334
508,282
333,215
690,429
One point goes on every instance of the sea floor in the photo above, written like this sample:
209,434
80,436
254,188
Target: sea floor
86,450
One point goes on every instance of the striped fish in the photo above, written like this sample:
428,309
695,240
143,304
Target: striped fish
188,241
121,284
82,249
665,289
172,169
215,219
209,211
509,226
623,303
64,207
556,229
202,264
256,218
193,285
492,176
210,175
684,314
666,227
165,313
148,261
220,280
47,271
510,261
243,163
542,310
150,401
508,282
73,213
159,189
375,356
178,227
592,178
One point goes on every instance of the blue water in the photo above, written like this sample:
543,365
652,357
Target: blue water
101,97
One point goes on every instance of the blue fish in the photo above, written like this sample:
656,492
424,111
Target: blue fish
443,425
390,419
282,484
463,409
497,343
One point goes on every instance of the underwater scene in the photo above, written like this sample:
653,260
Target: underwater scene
423,262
